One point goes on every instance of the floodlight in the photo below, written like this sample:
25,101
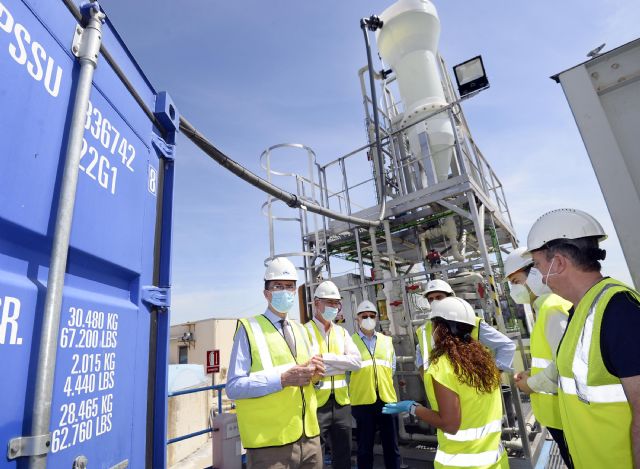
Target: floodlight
471,76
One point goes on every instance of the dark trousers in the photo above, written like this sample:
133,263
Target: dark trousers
369,419
335,428
558,436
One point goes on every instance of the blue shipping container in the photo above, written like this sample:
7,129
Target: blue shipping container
109,390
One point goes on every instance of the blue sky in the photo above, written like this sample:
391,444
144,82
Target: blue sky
253,74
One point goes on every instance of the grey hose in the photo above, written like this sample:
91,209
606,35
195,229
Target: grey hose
243,173
236,168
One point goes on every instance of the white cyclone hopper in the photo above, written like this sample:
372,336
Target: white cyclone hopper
408,42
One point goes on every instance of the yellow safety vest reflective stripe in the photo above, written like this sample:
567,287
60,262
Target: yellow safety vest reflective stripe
545,406
596,415
282,417
477,442
336,384
375,377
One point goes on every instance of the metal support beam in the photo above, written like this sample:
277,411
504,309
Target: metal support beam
494,305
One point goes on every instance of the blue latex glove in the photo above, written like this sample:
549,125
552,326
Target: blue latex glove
398,407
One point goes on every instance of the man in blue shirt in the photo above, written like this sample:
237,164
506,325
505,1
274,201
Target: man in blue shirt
243,384
500,345
370,388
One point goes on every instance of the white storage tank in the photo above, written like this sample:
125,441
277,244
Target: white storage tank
408,43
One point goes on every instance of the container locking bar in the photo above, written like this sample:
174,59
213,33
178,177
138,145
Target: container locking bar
29,446
37,446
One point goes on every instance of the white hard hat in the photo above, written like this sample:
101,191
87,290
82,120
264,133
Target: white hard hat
327,290
438,285
516,261
366,305
454,309
281,268
563,223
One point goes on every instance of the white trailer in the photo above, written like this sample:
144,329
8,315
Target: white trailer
604,96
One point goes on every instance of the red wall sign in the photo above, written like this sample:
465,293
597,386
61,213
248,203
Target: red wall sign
213,361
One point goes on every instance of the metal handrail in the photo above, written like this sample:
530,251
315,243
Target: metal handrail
215,387
190,435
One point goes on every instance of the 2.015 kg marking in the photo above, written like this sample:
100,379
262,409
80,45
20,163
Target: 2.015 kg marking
92,362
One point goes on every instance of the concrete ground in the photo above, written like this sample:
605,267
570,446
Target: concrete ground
413,458
199,459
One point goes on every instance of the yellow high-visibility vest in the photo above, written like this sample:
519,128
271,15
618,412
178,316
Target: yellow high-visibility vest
282,417
375,377
336,384
545,406
596,416
477,442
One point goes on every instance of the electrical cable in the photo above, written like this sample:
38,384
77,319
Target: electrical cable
207,147
236,168
77,14
201,142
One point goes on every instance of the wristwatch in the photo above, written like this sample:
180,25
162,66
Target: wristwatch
412,409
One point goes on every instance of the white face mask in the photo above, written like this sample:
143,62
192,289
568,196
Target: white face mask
534,281
368,324
519,293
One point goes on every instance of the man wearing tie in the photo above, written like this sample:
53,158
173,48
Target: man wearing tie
270,373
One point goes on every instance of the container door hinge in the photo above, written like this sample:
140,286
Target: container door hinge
157,296
163,149
29,446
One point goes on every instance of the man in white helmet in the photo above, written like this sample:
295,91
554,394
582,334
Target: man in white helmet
271,370
339,355
502,347
599,356
371,387
551,314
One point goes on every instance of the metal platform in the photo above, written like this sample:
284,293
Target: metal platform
463,215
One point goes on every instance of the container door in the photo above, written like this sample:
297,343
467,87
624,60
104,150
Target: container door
99,407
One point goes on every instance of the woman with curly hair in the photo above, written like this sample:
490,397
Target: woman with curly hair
463,387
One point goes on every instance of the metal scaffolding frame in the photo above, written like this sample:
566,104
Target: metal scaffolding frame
308,190
417,216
